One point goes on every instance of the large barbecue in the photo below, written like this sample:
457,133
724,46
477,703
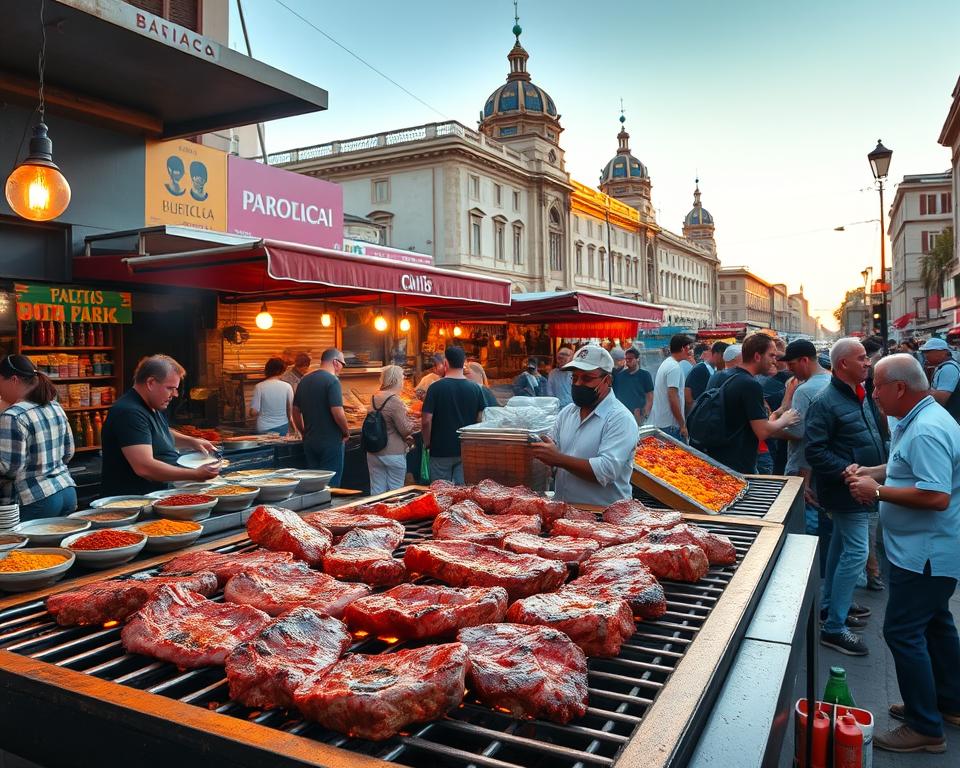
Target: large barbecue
71,696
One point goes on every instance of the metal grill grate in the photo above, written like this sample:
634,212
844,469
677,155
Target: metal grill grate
621,689
756,502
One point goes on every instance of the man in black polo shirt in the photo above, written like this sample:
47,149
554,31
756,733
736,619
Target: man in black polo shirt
139,448
319,416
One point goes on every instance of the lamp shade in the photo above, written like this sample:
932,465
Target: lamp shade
37,190
880,160
325,320
264,319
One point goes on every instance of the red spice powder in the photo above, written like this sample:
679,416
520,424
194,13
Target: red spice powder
185,499
108,538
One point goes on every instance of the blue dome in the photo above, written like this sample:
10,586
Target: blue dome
699,215
624,166
519,96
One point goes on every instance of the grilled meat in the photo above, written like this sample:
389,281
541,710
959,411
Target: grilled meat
467,522
418,611
420,508
717,547
547,510
338,522
449,494
599,626
186,629
116,599
281,530
627,579
566,549
633,512
265,670
366,555
677,562
374,697
462,563
494,498
281,587
223,565
529,671
606,534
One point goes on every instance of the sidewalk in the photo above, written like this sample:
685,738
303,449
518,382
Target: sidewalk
873,683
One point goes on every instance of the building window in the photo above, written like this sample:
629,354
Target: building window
474,187
380,190
946,203
500,236
589,227
517,244
590,252
723,298
576,224
603,264
384,220
928,241
186,13
620,270
498,195
516,200
475,234
928,205
556,241
579,259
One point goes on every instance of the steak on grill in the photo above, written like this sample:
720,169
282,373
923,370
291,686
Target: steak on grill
418,611
338,522
547,510
279,588
467,522
606,534
464,564
627,579
422,507
186,629
366,555
566,549
116,599
598,626
265,670
677,562
282,530
224,565
717,547
374,697
632,512
494,498
529,671
449,494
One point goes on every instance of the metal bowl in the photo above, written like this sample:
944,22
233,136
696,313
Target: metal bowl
50,531
105,558
185,511
312,479
27,581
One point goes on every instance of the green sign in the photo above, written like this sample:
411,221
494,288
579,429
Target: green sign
72,304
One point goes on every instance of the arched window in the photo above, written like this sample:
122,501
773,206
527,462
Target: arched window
652,286
590,251
556,241
384,220
603,264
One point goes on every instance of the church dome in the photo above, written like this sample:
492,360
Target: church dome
698,216
519,95
623,165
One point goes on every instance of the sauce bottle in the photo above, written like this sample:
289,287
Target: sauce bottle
41,336
78,436
91,337
99,334
87,430
97,427
837,691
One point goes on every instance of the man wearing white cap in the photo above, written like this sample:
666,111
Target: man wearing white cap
732,357
946,379
594,438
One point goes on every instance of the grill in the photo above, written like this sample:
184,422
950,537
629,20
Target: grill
644,704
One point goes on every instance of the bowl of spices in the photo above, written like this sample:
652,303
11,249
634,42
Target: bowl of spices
105,548
129,503
165,535
23,570
50,531
233,498
106,517
10,541
185,506
275,488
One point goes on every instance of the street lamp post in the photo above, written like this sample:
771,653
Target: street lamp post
880,165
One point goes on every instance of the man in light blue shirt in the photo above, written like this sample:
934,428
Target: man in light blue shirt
947,376
594,438
919,494
558,380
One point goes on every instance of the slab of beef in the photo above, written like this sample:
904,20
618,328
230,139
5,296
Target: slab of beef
420,508
264,671
418,611
599,626
449,494
186,629
225,566
677,562
464,564
115,599
630,580
467,522
547,510
282,530
494,498
279,588
338,522
366,555
717,547
566,549
374,697
632,512
606,534
531,671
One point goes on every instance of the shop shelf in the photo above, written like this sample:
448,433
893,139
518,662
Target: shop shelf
66,349
86,448
55,379
87,408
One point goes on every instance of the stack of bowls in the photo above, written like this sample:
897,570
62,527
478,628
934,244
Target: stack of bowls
9,517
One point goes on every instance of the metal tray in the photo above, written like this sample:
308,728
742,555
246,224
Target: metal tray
515,435
667,493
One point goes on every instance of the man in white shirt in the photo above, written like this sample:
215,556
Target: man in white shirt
594,438
558,381
667,412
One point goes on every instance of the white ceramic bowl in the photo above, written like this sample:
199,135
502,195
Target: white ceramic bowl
244,475
50,531
27,581
275,488
124,502
312,479
171,542
105,558
234,502
10,541
185,511
90,514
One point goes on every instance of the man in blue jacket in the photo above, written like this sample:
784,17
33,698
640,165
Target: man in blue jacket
842,428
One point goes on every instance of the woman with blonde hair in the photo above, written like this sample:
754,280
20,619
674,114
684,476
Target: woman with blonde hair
388,467
475,373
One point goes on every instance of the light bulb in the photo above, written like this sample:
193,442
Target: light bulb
443,332
496,343
325,320
37,190
264,319
404,324
380,323
457,330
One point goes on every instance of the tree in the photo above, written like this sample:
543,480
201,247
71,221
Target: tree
935,264
854,297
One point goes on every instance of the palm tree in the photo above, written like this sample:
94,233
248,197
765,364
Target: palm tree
936,263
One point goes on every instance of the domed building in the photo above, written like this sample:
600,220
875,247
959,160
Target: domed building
698,224
626,178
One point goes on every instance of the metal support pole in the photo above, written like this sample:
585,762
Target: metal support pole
884,325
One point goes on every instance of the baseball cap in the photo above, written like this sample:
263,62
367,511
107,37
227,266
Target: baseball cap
532,362
935,344
732,352
799,348
590,358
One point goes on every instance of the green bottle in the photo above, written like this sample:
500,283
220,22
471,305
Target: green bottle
837,691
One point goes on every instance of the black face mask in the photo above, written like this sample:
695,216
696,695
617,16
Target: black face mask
584,396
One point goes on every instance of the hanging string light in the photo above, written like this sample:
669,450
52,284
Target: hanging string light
264,319
457,331
325,320
404,324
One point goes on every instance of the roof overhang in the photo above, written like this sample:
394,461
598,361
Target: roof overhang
107,61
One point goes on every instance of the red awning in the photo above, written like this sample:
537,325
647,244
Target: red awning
273,267
904,320
578,307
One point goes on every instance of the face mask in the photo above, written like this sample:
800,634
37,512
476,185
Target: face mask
584,396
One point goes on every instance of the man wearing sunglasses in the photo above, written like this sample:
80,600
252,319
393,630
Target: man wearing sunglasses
594,438
318,415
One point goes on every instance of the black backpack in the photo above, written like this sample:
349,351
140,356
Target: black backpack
953,402
373,433
707,420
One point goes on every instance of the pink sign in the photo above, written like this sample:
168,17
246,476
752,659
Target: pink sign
268,202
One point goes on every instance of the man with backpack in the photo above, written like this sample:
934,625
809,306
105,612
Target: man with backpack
728,422
946,378
529,382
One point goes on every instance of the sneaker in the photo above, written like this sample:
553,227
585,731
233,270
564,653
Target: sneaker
854,622
897,711
845,642
860,611
905,739
875,584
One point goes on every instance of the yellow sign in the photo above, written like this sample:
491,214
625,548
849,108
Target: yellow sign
186,185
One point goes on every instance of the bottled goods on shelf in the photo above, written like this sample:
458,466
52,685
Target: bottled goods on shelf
87,427
46,333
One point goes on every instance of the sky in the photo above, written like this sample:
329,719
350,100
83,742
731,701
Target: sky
774,105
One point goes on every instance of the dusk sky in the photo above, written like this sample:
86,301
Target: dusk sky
774,105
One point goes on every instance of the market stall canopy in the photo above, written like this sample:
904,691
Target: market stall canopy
904,320
273,269
108,61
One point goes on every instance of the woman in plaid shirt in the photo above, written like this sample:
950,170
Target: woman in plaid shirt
35,443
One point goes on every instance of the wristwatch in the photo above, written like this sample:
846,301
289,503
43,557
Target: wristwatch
877,492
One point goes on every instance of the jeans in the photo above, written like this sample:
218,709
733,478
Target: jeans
387,471
329,457
764,463
922,637
61,503
873,561
282,431
825,534
846,559
449,468
673,432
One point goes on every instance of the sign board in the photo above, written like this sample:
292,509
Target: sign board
72,304
276,204
186,185
362,248
168,33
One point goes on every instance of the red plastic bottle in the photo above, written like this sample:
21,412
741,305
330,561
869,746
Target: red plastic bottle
847,743
41,334
99,334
